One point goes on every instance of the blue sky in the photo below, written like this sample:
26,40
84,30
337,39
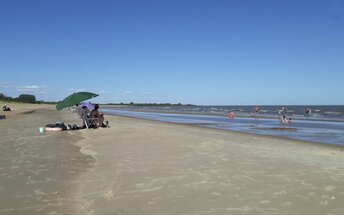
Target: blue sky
214,52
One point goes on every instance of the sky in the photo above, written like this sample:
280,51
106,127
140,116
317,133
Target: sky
203,52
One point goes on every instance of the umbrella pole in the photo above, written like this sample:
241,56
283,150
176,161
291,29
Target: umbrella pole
86,124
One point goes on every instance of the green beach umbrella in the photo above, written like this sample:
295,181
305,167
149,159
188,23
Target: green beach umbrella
75,98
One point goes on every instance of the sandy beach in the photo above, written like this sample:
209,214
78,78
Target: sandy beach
38,171
146,167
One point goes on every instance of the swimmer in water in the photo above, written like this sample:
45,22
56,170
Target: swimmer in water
284,120
308,111
256,112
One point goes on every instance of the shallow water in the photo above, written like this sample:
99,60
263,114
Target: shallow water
321,131
317,112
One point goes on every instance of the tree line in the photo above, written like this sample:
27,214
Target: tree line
25,98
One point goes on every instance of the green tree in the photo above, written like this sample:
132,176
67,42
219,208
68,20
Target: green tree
27,98
3,97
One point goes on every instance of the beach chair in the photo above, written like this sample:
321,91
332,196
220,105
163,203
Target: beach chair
73,109
87,121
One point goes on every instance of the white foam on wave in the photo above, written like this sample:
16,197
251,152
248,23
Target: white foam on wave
331,112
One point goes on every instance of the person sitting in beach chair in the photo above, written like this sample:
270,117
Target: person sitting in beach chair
84,115
97,118
6,108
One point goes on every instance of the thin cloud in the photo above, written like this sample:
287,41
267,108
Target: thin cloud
28,88
128,92
147,93
75,90
6,86
103,92
33,89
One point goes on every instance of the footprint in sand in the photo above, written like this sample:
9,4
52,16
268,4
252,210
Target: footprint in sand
108,195
329,188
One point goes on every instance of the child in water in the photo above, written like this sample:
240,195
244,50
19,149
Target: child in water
284,120
231,115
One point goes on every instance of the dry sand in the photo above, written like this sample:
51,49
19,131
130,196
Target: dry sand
146,167
39,171
22,108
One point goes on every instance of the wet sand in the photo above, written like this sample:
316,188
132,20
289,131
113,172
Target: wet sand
146,167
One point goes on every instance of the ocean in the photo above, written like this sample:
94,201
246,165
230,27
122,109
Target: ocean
321,124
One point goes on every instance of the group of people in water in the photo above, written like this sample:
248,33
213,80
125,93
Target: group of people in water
284,120
283,112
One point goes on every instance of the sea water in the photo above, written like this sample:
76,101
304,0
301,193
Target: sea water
324,124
